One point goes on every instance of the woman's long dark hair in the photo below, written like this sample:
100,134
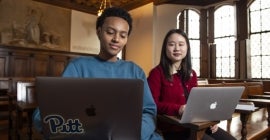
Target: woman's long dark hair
165,62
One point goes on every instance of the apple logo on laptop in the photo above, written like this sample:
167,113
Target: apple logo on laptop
91,111
213,105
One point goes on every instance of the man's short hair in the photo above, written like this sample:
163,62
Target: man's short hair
114,12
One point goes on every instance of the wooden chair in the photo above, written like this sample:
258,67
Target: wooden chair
4,105
27,106
14,123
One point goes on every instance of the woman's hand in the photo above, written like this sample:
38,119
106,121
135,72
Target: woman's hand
214,128
181,109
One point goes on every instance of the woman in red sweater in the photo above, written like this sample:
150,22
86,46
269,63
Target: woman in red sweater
170,83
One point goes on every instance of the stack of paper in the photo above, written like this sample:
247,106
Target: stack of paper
246,106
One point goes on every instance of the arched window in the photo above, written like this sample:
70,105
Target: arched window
189,21
224,38
259,13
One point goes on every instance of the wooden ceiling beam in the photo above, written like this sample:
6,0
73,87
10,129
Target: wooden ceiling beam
71,5
135,4
187,2
159,2
92,7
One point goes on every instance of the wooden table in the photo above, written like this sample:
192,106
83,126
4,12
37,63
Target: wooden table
264,96
261,103
197,130
244,115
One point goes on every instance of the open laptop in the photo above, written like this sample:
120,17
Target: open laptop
211,103
90,108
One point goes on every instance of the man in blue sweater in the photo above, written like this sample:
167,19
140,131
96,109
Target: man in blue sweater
113,28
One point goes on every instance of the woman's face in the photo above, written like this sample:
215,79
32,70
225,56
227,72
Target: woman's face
176,48
113,37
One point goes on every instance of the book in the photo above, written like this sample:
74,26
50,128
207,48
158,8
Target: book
246,106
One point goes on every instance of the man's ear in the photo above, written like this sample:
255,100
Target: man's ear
98,32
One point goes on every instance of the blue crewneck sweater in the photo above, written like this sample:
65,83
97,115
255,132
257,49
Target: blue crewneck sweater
94,67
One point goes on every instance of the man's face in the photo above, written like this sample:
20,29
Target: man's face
113,37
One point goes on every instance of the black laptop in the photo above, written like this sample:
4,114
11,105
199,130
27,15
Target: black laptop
90,108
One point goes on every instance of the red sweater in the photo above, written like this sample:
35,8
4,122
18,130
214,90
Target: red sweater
169,95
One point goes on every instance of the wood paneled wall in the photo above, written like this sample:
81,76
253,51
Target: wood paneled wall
32,62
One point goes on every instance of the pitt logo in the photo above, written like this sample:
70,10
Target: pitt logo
57,124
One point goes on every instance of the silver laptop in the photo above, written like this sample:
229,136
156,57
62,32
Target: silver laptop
211,103
90,108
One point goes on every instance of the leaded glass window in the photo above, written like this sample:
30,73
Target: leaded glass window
191,26
259,13
224,38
